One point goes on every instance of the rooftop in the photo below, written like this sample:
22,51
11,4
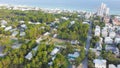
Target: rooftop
100,61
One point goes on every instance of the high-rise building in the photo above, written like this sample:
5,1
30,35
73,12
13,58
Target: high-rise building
103,10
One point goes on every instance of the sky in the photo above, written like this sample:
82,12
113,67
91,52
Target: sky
69,4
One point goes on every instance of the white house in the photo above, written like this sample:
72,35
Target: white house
64,18
100,63
55,51
88,15
50,63
24,26
112,66
52,24
98,46
47,33
104,32
97,31
21,22
72,22
118,66
117,40
74,55
101,40
8,28
12,30
22,34
29,56
42,27
39,39
34,23
15,33
3,22
54,29
112,34
108,40
3,26
16,46
97,53
85,23
74,42
55,35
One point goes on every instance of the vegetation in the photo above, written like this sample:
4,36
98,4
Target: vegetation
15,58
34,16
91,57
77,31
111,58
94,40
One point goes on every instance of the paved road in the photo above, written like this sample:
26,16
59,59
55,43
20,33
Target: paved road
85,62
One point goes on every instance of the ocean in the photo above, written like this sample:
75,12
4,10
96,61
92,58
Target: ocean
87,5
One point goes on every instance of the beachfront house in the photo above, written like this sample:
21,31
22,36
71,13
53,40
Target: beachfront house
99,63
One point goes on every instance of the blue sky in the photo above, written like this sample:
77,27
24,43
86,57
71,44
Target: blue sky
84,4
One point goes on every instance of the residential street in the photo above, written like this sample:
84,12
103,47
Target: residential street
85,62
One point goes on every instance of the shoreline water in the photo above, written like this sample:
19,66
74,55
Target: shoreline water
112,12
90,5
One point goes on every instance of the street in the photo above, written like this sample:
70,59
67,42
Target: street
85,62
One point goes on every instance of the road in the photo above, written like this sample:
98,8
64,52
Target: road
85,62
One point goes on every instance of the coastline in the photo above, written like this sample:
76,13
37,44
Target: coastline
112,12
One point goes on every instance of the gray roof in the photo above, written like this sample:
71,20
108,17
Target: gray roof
99,61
